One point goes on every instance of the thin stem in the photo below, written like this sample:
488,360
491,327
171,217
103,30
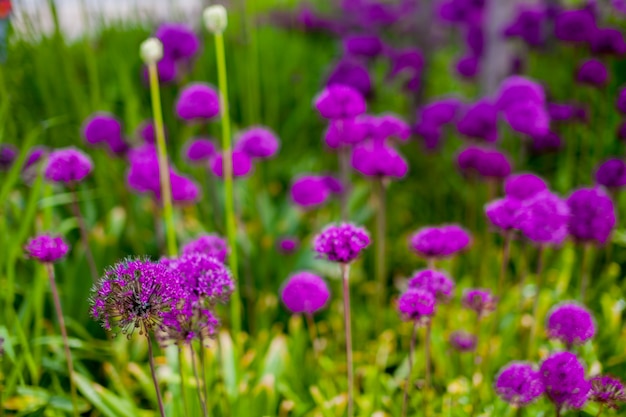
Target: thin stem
199,386
430,263
345,272
344,173
154,377
312,332
182,377
381,226
66,343
405,399
585,269
229,202
533,328
428,355
506,255
600,410
558,411
84,235
203,368
475,365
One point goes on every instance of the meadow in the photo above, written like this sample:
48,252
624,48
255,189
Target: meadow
383,115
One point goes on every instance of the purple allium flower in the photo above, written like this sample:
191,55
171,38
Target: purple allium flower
570,323
143,175
198,101
305,292
528,25
102,127
463,341
517,89
563,377
368,46
528,117
487,163
480,121
560,112
134,294
608,41
341,243
593,72
203,276
546,142
503,213
440,242
184,190
146,132
212,245
468,66
440,112
242,164
434,281
351,73
8,154
544,218
311,190
46,249
167,70
416,304
388,126
607,391
475,39
621,101
199,150
519,384
179,41
340,102
619,5
612,173
378,160
68,165
575,25
346,132
34,156
524,186
288,245
407,63
592,215
480,300
258,142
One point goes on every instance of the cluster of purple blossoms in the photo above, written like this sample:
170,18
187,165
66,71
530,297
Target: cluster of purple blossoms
437,282
611,174
198,102
524,186
199,150
487,163
417,305
180,46
570,323
342,243
480,301
607,391
258,142
480,122
433,117
592,215
68,166
563,377
340,102
440,242
523,104
544,219
519,384
463,341
104,128
211,245
311,191
46,248
305,292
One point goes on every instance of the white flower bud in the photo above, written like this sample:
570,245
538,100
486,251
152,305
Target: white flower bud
151,51
215,18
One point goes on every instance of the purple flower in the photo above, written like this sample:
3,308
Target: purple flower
409,64
519,384
563,377
559,112
575,25
439,242
166,69
288,245
524,186
612,173
440,112
517,89
146,132
143,175
544,218
607,391
305,292
184,190
528,117
619,5
571,324
608,41
368,46
503,213
378,160
486,162
545,142
340,102
198,101
430,133
179,41
68,165
416,304
200,150
621,101
593,72
592,215
212,245
437,282
203,276
242,164
529,25
463,341
8,154
311,190
46,249
341,243
480,121
34,156
258,142
389,126
479,300
351,73
346,132
468,66
102,127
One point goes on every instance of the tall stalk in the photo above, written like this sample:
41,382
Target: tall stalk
585,270
381,226
405,398
506,255
533,329
199,386
345,274
154,377
84,235
312,333
344,175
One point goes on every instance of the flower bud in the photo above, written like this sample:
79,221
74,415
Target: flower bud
215,18
151,51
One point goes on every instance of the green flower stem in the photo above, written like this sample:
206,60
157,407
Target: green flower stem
164,174
381,226
154,377
84,234
345,274
199,386
585,270
405,398
229,204
534,325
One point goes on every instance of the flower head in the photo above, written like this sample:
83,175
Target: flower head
378,160
440,242
607,391
341,243
102,127
198,101
346,132
46,248
463,341
146,132
184,190
288,245
575,25
516,90
560,112
68,165
528,25
593,72
479,300
305,292
570,323
211,245
312,190
416,304
480,121
258,142
35,155
203,277
179,41
612,173
544,219
519,384
151,51
608,41
437,282
8,154
215,18
503,213
487,163
563,377
339,101
200,150
368,46
468,66
524,186
242,164
351,73
592,215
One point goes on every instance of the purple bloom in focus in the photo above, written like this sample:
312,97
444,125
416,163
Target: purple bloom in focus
102,127
368,46
529,25
311,190
305,292
479,300
200,150
341,243
211,245
46,249
203,275
480,121
574,25
621,101
378,160
258,142
179,41
439,242
351,73
519,384
592,215
563,377
437,282
198,101
340,102
608,41
68,165
242,164
463,341
544,219
524,186
571,324
607,391
8,154
612,173
593,72
288,245
503,213
416,304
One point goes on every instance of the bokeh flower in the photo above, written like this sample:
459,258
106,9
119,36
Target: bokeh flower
200,150
440,242
305,292
437,282
503,213
416,304
563,377
68,165
592,215
463,341
258,142
198,101
480,121
288,244
313,190
46,248
524,186
544,219
8,154
378,160
570,323
482,301
242,164
611,173
211,245
593,72
519,384
339,101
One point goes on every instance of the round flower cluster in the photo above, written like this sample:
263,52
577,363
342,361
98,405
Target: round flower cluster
570,323
519,384
440,242
437,282
416,304
46,248
212,245
305,292
342,243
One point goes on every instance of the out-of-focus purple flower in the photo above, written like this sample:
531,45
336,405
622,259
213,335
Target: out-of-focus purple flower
575,25
461,11
528,25
341,243
519,384
258,142
312,190
68,165
480,121
480,300
305,292
475,39
440,242
351,73
288,245
408,63
46,248
166,70
607,391
549,141
570,323
368,46
198,101
309,21
346,132
611,173
517,89
146,132
437,282
8,154
211,245
528,117
440,112
593,72
242,164
468,66
621,101
179,41
524,186
560,112
199,150
608,41
544,218
488,163
184,190
619,5
503,213
378,160
143,174
35,155
430,133
563,377
463,341
340,102
388,126
416,304
102,127
592,215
